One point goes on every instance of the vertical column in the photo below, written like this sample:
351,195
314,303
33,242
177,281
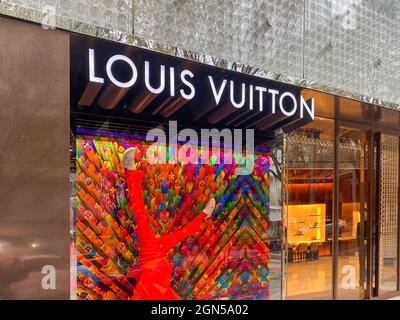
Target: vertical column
34,162
388,208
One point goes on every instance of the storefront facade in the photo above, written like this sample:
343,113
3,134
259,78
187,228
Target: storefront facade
316,219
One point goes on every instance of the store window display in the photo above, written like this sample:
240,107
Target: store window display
224,256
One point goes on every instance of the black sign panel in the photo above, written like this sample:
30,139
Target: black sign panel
131,83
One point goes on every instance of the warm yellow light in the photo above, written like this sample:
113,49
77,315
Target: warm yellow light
306,223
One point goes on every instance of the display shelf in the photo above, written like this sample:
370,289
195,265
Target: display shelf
306,223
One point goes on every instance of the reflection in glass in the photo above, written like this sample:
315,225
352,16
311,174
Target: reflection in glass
309,178
352,234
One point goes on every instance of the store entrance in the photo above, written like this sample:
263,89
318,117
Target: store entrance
310,213
351,194
342,212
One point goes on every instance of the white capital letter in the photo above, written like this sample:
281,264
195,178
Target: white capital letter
261,91
190,95
217,95
147,78
232,91
293,98
274,93
310,110
111,61
92,77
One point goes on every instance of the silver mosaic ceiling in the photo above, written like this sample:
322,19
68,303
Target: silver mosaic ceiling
350,44
263,33
113,14
347,47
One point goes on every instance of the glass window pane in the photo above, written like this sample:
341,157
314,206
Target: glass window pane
309,178
352,222
169,250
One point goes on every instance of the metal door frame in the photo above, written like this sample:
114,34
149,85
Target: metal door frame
373,136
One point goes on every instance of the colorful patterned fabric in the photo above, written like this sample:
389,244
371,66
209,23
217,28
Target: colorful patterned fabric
227,260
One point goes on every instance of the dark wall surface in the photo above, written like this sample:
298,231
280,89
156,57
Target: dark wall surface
34,160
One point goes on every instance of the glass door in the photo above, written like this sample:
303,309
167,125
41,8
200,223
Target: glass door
342,212
351,214
309,207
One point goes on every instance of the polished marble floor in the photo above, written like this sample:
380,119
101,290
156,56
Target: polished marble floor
313,279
